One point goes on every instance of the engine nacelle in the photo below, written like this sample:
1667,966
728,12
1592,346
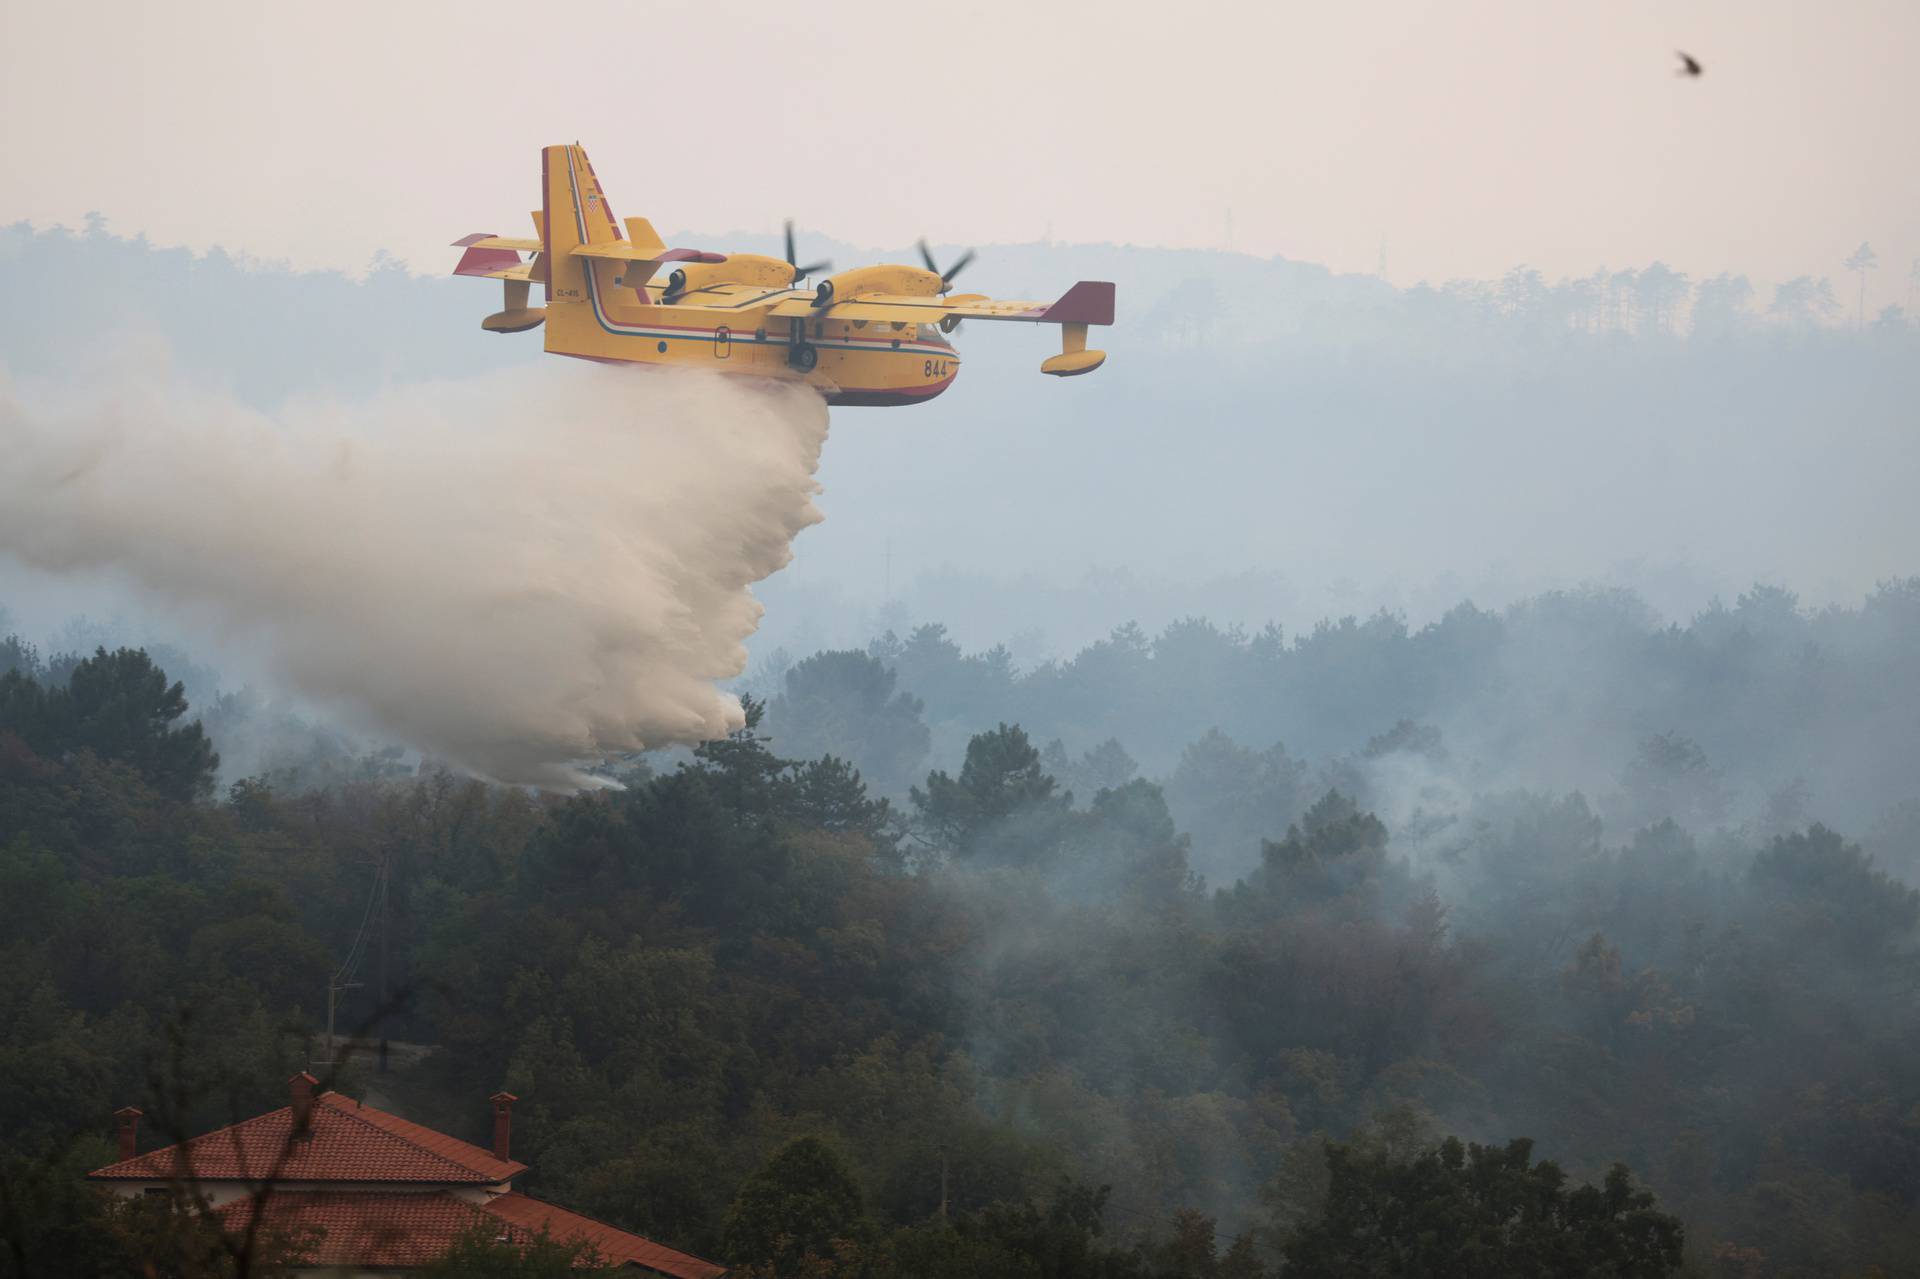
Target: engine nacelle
908,280
739,268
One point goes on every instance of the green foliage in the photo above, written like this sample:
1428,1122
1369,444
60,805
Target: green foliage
1335,849
1670,778
932,666
52,1222
999,807
16,655
482,1254
1833,892
844,704
1232,798
1105,767
1478,1210
732,956
120,707
794,1208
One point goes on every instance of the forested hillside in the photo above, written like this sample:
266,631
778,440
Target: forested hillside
1755,714
750,988
1409,770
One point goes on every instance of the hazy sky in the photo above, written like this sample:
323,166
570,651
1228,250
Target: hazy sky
1465,137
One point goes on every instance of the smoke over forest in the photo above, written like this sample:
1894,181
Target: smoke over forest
510,573
1152,816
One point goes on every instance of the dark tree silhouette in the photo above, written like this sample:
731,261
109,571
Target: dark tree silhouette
1483,1211
1861,261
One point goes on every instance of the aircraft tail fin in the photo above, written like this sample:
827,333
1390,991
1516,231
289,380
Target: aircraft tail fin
574,211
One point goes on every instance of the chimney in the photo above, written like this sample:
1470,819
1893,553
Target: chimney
300,1091
503,1124
129,1117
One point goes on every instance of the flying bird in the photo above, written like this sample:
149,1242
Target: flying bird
1689,66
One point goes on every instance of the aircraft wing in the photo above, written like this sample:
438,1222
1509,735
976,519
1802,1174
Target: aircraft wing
899,308
1088,302
732,296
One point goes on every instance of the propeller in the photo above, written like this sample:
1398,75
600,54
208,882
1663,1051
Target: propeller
948,323
946,276
802,272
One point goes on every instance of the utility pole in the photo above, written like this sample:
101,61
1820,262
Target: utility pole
1864,259
334,987
386,860
343,978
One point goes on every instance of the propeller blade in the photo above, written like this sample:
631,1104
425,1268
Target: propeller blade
926,255
793,259
946,276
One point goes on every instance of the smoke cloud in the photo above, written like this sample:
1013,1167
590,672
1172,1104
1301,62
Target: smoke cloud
514,573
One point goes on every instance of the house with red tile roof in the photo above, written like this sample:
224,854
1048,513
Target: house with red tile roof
349,1186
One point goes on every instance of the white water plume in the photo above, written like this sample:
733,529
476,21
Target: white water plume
513,573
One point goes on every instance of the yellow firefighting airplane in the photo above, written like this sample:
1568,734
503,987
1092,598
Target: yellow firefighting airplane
871,336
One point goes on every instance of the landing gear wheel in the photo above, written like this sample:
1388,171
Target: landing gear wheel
805,357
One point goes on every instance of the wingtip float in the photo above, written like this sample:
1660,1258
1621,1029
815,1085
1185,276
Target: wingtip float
873,335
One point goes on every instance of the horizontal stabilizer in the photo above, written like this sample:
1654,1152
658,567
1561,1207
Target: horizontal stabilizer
625,251
488,240
642,260
489,263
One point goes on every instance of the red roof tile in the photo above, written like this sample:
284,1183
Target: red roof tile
364,1228
464,1153
368,1228
616,1247
348,1142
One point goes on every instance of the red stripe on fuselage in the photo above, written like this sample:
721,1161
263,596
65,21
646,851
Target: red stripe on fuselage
847,396
643,328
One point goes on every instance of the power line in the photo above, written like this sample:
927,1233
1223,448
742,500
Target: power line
342,980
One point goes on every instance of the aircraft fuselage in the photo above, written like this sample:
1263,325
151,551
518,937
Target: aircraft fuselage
851,362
